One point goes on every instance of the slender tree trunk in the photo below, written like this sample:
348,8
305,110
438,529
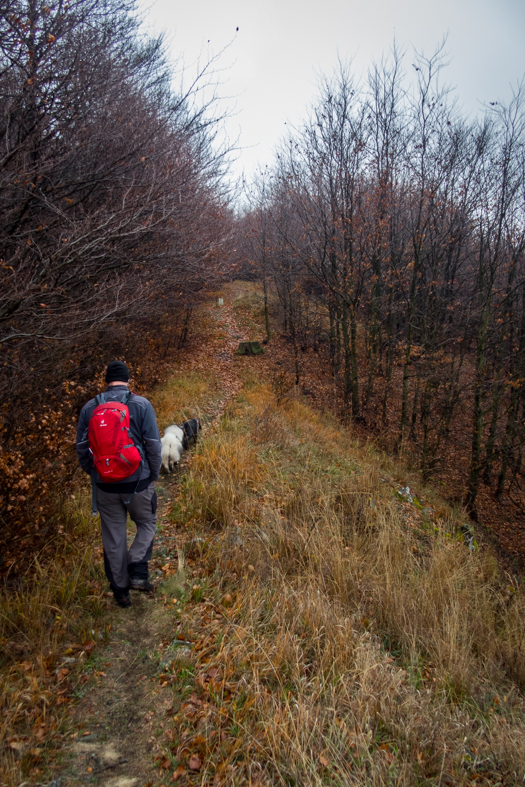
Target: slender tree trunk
331,315
347,354
285,306
506,450
389,359
426,399
406,367
185,328
490,450
451,400
266,312
338,345
293,331
477,419
415,407
374,330
354,362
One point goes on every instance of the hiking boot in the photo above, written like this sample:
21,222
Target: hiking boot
144,585
122,598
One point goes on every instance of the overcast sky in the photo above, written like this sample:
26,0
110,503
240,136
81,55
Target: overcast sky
272,65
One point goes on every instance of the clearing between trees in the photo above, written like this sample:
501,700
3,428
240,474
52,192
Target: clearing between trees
315,620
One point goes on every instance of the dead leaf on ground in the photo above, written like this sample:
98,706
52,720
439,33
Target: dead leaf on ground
17,745
194,763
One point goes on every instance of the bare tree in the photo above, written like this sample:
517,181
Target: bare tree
409,220
112,198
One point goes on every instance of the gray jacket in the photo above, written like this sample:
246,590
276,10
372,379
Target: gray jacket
143,428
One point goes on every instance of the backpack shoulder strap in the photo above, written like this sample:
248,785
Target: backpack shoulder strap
101,398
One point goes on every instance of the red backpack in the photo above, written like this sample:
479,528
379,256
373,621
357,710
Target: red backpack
115,455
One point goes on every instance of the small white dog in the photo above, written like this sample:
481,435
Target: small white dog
179,431
171,445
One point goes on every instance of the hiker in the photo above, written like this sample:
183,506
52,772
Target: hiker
134,493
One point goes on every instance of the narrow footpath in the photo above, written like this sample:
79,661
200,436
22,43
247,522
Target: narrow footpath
115,734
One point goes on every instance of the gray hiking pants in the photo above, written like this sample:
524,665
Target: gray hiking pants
122,563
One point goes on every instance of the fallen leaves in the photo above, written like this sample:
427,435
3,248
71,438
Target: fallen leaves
17,745
194,762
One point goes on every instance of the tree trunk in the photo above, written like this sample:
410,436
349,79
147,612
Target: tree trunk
266,313
354,363
347,353
477,419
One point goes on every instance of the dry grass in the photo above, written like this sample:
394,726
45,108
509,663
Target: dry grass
367,645
360,641
43,622
184,395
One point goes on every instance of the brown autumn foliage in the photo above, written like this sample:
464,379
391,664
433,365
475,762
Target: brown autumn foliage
113,221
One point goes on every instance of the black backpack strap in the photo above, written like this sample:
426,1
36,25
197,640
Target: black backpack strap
94,509
100,398
127,502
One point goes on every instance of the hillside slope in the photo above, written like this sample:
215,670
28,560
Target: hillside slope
315,622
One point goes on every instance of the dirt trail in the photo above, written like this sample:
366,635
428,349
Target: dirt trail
117,726
117,719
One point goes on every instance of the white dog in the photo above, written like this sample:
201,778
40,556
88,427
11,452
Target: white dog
179,431
171,446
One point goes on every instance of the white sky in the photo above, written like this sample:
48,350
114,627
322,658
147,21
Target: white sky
272,64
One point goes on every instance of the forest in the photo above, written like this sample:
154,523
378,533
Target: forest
392,228
114,217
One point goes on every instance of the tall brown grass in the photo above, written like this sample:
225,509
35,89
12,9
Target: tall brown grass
369,646
58,603
185,394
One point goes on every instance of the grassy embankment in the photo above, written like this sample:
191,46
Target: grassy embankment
341,635
362,644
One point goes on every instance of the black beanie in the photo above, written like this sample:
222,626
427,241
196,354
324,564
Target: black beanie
117,371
